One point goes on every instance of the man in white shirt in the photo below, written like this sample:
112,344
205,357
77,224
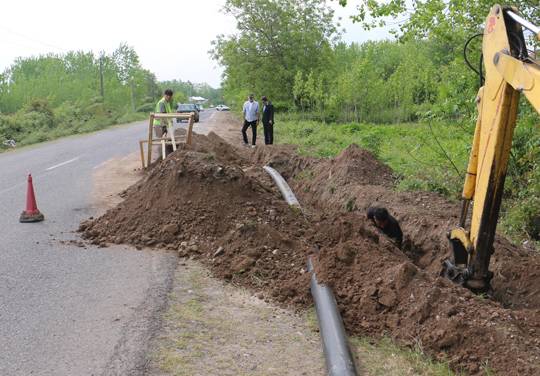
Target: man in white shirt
251,119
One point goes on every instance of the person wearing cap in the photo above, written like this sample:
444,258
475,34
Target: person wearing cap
251,119
268,121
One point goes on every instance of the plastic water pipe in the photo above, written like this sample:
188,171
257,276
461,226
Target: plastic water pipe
339,361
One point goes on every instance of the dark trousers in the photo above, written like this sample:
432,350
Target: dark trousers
268,133
253,125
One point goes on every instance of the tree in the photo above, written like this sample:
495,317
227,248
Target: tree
183,90
275,39
127,64
443,19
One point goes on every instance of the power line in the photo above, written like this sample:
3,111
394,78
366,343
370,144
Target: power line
32,39
17,43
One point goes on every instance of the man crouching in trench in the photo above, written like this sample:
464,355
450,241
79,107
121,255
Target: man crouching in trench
386,223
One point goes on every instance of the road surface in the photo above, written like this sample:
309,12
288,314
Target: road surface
67,310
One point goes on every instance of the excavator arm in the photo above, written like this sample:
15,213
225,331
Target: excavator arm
510,71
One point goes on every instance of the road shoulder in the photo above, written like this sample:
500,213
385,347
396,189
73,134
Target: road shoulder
214,328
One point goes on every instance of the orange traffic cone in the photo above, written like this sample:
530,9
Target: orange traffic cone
32,213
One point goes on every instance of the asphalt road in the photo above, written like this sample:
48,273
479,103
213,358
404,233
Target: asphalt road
66,310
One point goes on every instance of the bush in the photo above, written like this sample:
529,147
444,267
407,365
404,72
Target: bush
131,117
35,137
38,114
147,107
98,110
70,116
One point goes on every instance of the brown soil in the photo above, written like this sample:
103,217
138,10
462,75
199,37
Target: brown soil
212,202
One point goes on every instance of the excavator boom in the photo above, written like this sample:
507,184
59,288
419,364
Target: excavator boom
510,71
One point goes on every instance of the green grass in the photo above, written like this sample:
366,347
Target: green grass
385,358
424,156
41,134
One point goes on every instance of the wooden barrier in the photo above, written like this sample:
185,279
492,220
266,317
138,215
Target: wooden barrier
150,141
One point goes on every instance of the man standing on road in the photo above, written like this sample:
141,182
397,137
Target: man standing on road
251,119
268,121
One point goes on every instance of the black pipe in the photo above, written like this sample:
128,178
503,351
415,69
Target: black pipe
339,361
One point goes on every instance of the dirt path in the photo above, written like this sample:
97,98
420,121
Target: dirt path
212,328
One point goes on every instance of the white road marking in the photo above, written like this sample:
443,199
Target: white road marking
12,188
62,164
99,165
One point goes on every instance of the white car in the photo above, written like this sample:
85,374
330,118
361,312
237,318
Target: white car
222,107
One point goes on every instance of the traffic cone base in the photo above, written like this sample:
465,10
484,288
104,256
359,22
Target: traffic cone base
32,213
27,217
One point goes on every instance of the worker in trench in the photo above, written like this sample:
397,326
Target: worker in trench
386,223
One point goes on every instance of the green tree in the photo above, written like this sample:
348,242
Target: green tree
275,40
446,20
127,65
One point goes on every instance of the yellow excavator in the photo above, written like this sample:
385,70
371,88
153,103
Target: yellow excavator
510,70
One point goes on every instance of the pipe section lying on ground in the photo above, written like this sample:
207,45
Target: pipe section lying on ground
336,349
284,188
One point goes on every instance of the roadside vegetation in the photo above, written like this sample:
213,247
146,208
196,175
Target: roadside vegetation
383,356
410,99
49,96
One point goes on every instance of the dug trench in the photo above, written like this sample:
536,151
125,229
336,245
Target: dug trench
214,203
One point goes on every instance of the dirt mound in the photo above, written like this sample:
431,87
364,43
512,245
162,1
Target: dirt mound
169,204
425,219
358,166
283,158
381,291
213,202
201,202
218,148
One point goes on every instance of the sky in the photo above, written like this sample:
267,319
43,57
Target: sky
172,37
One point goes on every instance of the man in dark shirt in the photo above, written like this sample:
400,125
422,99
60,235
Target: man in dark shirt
388,224
268,121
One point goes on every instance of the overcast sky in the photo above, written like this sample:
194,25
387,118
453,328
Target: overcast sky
171,37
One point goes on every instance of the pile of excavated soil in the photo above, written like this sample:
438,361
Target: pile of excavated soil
212,202
333,186
380,290
205,202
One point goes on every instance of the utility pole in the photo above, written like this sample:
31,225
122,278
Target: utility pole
101,89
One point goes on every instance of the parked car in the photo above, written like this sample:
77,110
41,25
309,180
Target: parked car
222,107
199,107
185,108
